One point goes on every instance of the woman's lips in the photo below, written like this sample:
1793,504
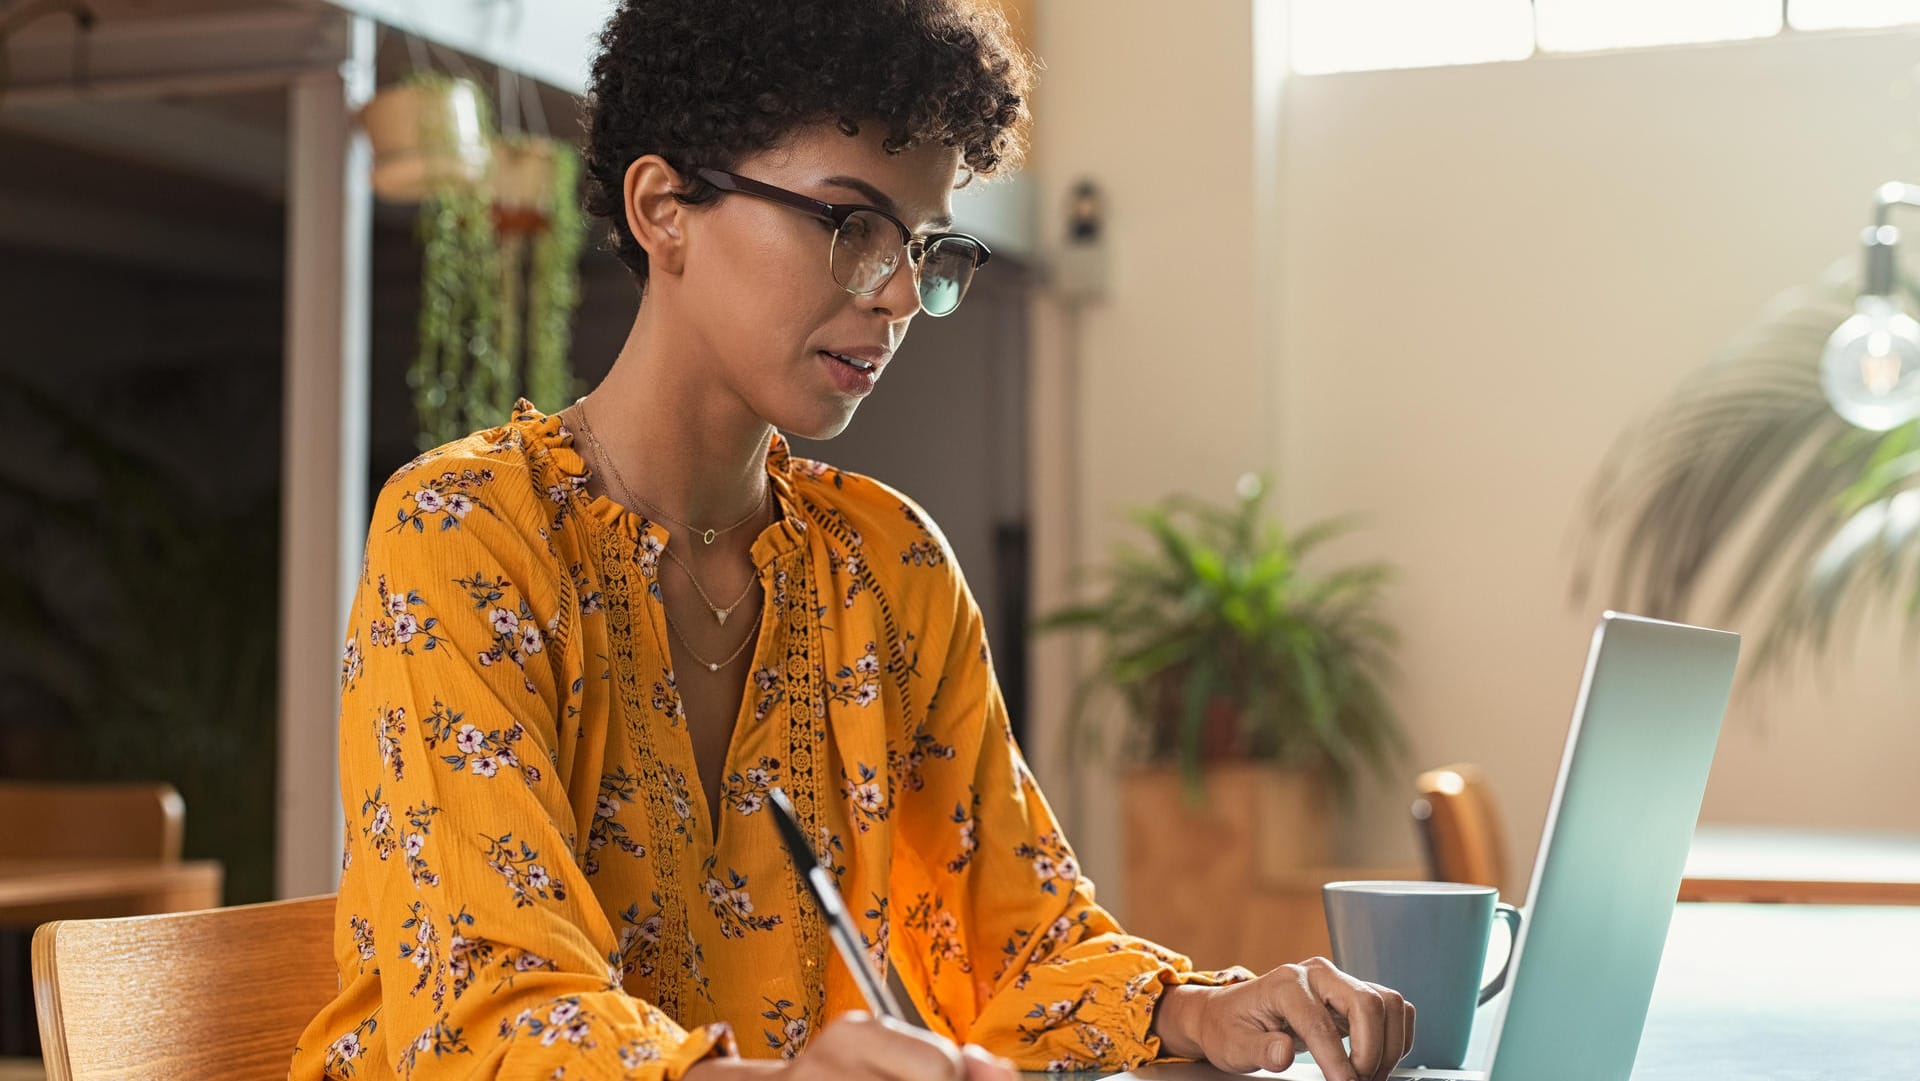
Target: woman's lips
850,380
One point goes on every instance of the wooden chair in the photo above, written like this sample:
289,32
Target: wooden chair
65,822
217,995
90,821
1455,815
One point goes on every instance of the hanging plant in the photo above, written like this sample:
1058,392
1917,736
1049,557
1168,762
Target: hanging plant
536,211
553,288
459,372
428,132
500,234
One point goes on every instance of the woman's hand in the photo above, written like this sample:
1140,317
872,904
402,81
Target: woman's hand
860,1047
1261,1024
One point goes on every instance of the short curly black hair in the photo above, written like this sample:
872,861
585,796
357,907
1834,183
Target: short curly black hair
705,83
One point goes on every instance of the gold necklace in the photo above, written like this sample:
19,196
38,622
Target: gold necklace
719,613
706,535
712,666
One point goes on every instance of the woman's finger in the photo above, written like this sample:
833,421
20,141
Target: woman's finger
859,1045
984,1065
1364,1009
1393,1032
1303,1005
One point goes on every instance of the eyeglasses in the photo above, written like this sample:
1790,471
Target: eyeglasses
865,254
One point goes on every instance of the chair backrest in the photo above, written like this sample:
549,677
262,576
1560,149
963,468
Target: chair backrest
217,995
90,821
1456,817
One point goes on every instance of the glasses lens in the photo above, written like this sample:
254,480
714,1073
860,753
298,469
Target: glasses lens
945,272
865,252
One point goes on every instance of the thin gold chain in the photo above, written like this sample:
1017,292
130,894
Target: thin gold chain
712,666
706,535
719,613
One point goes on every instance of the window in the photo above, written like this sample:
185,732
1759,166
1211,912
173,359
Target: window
1578,25
1355,35
1358,35
1834,14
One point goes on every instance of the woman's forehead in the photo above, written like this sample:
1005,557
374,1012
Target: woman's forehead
919,181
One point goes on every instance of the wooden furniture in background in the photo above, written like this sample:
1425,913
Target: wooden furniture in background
83,850
1234,879
85,820
221,995
1801,866
33,891
1459,826
1285,919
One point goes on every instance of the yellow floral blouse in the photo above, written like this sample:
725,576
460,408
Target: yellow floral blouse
531,887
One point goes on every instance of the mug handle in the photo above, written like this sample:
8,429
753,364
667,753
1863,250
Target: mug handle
1511,916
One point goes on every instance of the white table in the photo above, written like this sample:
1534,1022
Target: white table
1773,992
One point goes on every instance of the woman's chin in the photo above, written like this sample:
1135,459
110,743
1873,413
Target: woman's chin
816,424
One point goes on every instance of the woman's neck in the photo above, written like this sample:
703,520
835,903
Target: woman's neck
678,438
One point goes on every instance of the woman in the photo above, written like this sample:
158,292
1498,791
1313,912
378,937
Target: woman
586,645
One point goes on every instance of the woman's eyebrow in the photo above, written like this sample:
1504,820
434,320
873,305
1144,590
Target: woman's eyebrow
879,198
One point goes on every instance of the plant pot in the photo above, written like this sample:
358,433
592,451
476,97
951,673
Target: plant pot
426,136
1193,868
523,181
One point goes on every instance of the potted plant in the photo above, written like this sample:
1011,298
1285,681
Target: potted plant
428,132
1748,485
536,212
1255,694
462,378
500,234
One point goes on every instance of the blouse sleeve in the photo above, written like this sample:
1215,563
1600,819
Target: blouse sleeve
999,939
494,958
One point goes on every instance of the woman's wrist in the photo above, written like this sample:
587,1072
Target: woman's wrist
1176,1020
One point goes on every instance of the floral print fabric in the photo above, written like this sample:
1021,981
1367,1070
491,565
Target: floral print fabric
531,886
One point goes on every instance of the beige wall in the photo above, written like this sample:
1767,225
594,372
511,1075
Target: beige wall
1159,388
1485,274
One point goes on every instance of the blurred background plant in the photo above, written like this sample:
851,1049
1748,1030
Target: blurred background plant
139,619
1224,648
1745,497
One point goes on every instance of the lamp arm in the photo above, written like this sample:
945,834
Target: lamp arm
1891,194
1880,240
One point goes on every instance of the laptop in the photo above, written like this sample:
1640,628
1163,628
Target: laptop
1609,865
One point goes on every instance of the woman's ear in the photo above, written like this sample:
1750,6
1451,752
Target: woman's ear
654,216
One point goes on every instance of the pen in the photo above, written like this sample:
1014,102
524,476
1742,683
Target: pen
839,925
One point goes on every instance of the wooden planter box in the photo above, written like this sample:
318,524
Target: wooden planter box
1235,879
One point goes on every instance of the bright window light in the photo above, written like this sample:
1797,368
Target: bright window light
1833,14
1580,25
1361,35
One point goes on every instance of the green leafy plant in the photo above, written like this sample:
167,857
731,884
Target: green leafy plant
1223,647
1748,481
554,289
461,378
499,277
